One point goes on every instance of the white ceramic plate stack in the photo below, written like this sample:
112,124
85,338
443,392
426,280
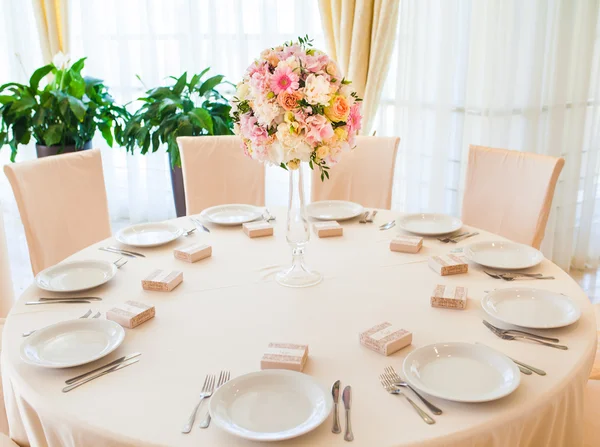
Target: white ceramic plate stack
429,224
503,255
72,343
231,215
149,234
461,372
270,405
531,308
75,276
334,210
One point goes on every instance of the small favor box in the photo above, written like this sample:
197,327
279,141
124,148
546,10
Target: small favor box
329,228
258,229
193,253
284,356
406,244
448,264
162,280
449,297
385,338
130,314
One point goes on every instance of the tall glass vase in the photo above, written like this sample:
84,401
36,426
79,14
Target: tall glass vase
298,234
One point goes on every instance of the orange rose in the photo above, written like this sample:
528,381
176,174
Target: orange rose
289,101
338,109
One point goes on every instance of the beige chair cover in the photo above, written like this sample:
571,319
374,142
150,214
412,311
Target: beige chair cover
364,175
216,172
62,202
510,193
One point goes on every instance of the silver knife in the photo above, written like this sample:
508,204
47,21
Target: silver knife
100,374
31,303
100,368
134,253
347,398
335,393
110,250
92,298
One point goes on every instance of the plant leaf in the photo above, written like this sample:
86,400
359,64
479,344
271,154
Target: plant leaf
210,84
53,134
77,66
106,132
201,118
180,84
77,107
36,77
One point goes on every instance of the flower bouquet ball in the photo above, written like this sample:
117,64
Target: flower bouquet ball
293,105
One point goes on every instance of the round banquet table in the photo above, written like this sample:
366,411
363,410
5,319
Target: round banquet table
229,308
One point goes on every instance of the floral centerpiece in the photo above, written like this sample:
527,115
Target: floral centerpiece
293,105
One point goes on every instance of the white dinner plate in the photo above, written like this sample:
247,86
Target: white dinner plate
233,214
461,372
429,224
503,255
149,234
334,210
72,343
270,405
75,276
531,308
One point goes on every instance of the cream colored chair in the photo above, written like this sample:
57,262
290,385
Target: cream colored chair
6,302
364,175
216,172
62,202
510,193
592,397
5,441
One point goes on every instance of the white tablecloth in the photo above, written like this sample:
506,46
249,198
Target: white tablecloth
228,309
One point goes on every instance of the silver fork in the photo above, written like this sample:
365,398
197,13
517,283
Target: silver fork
120,262
223,378
197,223
207,390
391,374
393,389
267,216
447,239
188,232
85,315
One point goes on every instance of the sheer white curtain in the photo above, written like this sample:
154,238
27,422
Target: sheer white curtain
158,38
502,73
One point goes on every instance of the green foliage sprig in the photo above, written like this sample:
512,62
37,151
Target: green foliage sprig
187,108
66,111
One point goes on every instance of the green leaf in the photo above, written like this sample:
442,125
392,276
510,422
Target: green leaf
283,166
37,76
210,84
180,84
159,92
77,85
77,66
201,118
53,134
5,99
23,104
106,133
196,78
77,107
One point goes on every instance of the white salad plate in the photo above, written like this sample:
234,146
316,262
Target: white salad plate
531,308
75,276
461,372
270,405
72,343
334,210
232,214
503,255
149,234
429,224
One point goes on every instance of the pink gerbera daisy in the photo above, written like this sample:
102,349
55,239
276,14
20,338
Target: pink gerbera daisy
284,80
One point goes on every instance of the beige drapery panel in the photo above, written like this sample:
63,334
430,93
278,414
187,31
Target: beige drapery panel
360,36
53,29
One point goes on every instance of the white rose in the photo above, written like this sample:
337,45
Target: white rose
243,90
317,90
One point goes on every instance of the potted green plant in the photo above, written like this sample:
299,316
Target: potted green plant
63,115
186,108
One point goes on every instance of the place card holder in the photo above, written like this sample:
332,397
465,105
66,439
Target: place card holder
284,356
385,338
193,253
162,280
258,229
448,264
406,244
130,314
449,297
328,228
